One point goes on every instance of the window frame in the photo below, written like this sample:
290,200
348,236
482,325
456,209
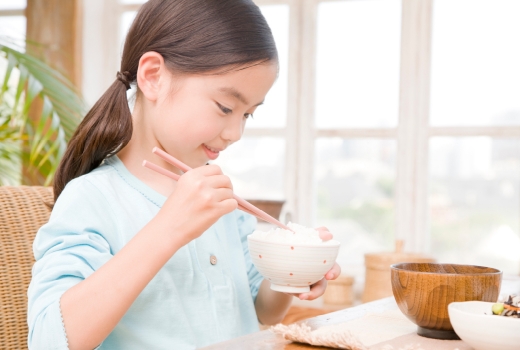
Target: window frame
301,132
12,13
412,133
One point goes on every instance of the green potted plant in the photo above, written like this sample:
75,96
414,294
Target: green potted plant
39,111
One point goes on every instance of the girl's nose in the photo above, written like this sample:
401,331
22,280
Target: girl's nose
234,129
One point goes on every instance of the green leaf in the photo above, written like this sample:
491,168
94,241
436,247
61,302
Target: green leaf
9,69
47,136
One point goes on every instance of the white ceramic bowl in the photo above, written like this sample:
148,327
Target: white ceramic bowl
475,324
292,267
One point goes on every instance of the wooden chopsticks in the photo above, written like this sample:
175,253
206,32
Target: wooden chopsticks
242,203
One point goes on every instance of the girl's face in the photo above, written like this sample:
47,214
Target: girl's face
203,114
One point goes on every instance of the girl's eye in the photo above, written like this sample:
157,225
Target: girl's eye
248,115
224,109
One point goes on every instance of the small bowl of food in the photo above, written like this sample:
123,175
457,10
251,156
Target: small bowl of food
423,292
292,261
487,325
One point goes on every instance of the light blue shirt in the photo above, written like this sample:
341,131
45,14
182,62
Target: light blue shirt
190,303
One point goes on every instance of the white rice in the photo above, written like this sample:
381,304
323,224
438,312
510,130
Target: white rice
301,235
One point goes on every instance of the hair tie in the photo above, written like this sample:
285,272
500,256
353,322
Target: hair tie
125,78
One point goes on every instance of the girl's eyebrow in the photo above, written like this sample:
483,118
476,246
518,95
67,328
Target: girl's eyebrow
236,94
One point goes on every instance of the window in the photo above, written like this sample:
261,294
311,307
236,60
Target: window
475,71
474,200
357,64
12,21
355,114
391,119
361,214
474,163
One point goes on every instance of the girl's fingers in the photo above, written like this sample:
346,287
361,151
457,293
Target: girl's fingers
209,170
318,288
316,291
219,181
334,272
228,205
325,235
221,194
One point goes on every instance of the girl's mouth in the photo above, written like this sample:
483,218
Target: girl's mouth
211,152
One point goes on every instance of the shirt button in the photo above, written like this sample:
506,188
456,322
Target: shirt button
213,260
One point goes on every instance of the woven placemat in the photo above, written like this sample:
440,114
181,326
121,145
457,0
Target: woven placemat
388,330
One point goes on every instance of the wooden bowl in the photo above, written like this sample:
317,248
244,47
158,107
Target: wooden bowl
423,292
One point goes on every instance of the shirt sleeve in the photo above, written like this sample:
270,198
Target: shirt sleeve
68,249
246,226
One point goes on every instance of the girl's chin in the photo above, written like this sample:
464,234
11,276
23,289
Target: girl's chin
195,163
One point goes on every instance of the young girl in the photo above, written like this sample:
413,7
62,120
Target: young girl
131,259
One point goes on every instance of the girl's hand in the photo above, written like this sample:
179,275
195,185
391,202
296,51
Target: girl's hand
201,197
318,288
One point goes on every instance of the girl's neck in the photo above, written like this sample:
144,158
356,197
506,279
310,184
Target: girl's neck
140,148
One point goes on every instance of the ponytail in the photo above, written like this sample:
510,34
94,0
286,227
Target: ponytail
106,128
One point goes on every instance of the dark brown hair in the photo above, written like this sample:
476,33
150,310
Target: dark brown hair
193,36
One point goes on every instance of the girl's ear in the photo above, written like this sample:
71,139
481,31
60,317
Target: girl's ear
151,67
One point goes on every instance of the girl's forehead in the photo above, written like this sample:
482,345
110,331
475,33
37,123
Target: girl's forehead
248,86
